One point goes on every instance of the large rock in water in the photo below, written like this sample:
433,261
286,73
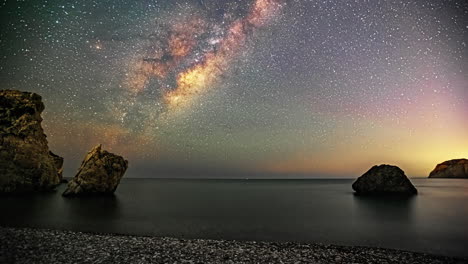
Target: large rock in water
25,163
100,173
58,164
457,168
384,179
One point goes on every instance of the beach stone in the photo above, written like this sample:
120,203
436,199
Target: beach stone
457,168
25,245
25,162
100,173
384,179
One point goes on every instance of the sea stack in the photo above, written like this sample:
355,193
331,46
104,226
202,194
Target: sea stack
384,179
99,173
58,164
457,168
25,163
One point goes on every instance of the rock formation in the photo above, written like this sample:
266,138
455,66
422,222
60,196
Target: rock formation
384,179
25,163
58,164
457,168
99,173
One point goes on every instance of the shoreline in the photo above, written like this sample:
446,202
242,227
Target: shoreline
28,245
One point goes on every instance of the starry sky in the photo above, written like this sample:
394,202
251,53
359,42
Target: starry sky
251,88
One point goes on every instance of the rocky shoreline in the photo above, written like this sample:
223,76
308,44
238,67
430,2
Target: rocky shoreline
25,245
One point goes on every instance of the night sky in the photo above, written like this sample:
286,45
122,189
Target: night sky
266,88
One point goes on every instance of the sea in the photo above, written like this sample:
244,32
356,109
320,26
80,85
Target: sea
322,211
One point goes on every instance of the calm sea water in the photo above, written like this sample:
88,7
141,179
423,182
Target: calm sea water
324,211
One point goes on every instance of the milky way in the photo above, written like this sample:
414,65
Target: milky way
206,49
233,88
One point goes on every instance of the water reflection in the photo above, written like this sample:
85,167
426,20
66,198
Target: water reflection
51,210
22,209
322,211
92,213
95,207
385,208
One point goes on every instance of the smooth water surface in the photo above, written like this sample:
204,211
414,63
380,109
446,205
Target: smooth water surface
324,211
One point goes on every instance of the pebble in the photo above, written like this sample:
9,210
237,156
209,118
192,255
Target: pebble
26,245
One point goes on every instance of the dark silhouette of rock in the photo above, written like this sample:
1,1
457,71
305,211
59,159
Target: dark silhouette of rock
58,164
100,173
25,163
457,168
384,179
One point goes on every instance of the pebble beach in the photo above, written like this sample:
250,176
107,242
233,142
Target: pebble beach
25,245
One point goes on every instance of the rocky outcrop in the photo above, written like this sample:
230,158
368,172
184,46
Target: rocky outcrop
58,161
25,163
100,173
457,168
384,179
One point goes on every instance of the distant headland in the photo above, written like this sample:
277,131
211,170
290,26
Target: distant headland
457,168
